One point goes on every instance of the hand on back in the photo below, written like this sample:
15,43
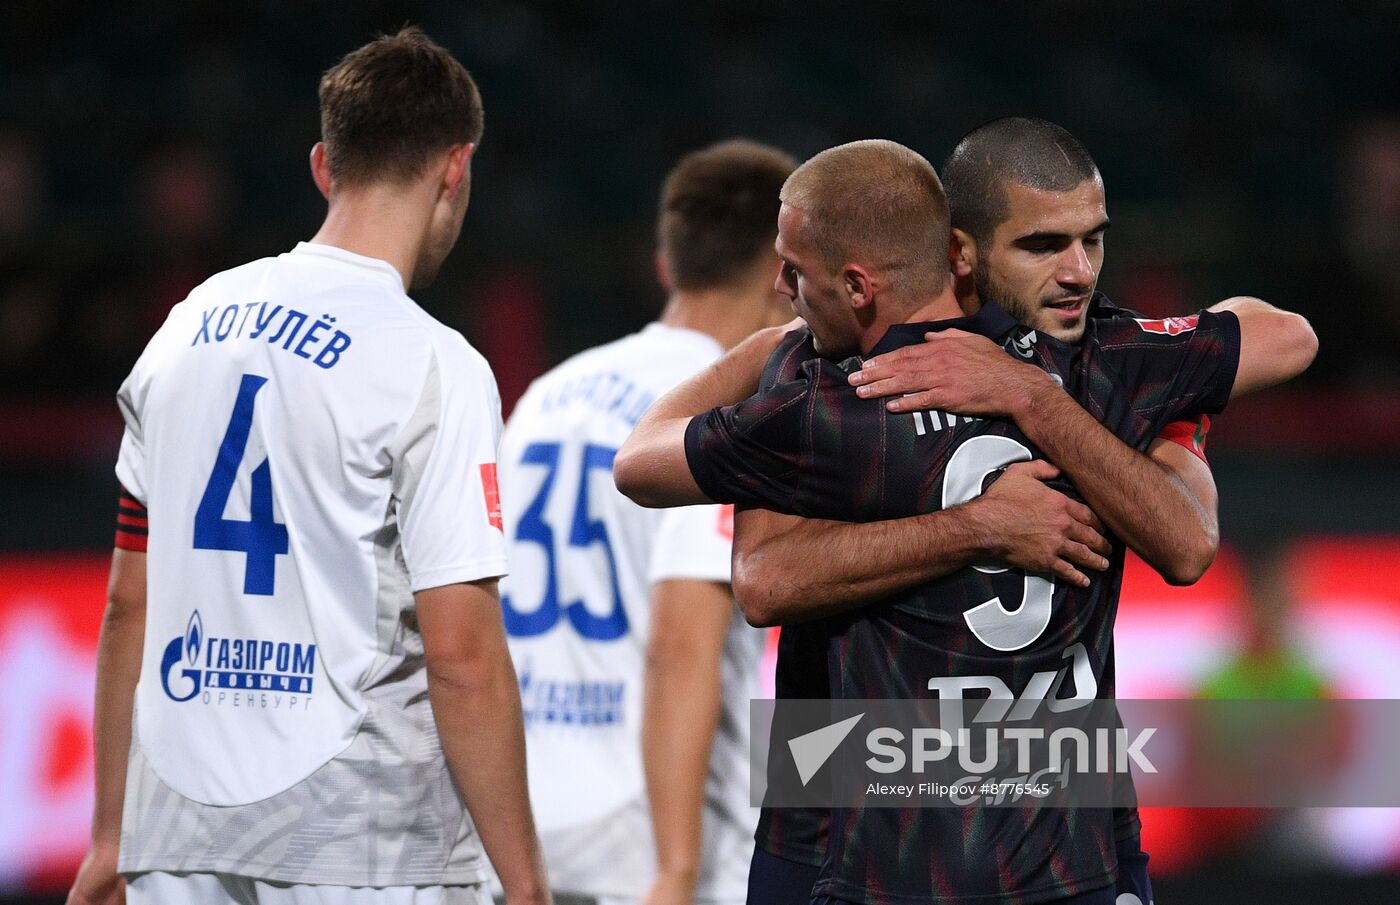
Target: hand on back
1034,527
951,371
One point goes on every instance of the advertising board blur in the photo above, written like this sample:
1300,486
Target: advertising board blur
1324,612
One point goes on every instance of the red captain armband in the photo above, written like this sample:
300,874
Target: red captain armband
1190,433
132,524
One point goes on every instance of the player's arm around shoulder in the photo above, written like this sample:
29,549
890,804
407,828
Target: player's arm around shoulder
789,569
476,704
651,468
1275,345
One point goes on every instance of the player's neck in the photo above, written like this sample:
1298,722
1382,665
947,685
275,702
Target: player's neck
942,306
725,315
968,299
377,226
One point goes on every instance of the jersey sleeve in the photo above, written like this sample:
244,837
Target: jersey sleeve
1190,434
444,475
749,453
131,459
693,542
1177,366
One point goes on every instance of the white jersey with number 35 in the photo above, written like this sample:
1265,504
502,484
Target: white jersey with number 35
312,449
577,609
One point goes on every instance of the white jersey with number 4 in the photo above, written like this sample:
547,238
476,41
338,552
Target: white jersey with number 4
577,609
312,449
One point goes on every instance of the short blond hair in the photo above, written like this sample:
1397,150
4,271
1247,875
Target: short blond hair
876,202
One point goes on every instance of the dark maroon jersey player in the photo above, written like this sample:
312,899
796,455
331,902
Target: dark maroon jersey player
811,447
798,834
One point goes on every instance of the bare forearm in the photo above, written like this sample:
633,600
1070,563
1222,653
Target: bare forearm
477,711
813,568
681,713
476,706
1149,507
651,468
732,378
118,669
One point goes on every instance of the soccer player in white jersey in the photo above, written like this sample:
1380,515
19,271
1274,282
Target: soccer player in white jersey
635,667
325,708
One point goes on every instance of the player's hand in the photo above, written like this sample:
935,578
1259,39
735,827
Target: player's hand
1033,527
671,889
98,882
952,371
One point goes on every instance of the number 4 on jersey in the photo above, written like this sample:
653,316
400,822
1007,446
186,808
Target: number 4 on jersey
261,538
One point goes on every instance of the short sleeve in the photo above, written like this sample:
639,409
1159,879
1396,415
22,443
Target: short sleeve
444,475
750,452
131,459
1176,366
693,542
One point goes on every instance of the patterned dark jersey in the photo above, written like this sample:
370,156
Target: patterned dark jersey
796,834
811,447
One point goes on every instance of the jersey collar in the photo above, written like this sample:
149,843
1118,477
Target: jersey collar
342,256
685,334
990,321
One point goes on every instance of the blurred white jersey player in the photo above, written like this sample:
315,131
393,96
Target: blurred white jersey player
313,458
621,623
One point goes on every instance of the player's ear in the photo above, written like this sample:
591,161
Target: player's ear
663,270
859,285
962,254
457,174
320,170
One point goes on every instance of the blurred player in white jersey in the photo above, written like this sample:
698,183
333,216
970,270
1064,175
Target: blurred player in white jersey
635,666
313,637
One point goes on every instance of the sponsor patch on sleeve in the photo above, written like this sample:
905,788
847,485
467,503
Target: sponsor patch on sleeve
1168,326
492,493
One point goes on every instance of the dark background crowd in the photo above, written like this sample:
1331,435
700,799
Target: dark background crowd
1248,148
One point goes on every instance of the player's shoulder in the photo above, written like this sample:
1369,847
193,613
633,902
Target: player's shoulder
794,356
1134,330
661,351
234,279
227,288
456,359
657,357
220,289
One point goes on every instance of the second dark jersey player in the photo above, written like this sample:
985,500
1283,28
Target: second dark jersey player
809,446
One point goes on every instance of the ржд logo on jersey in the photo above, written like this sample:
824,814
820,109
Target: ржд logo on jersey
239,672
1168,326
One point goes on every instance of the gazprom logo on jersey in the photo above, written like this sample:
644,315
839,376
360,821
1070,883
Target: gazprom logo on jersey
195,662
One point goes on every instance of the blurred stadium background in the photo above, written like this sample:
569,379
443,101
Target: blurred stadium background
1248,148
